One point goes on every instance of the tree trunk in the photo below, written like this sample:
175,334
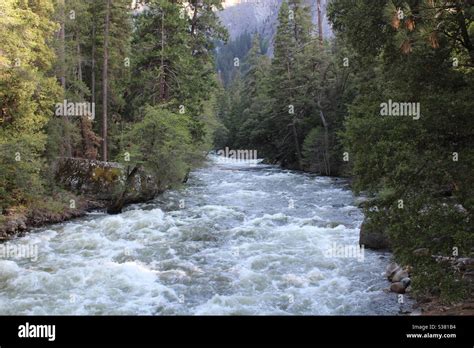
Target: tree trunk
83,117
297,145
162,75
465,35
62,51
105,82
79,61
62,60
320,24
327,164
93,65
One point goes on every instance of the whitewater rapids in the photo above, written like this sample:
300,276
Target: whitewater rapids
238,239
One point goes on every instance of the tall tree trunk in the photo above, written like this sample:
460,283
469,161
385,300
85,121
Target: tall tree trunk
162,75
320,23
93,65
62,60
327,164
465,35
89,139
62,50
297,145
79,61
105,82
293,123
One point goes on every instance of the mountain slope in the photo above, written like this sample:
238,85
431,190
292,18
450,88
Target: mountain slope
240,16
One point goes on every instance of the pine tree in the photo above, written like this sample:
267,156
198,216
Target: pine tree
27,94
254,102
409,164
293,34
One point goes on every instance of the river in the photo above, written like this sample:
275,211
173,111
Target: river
237,239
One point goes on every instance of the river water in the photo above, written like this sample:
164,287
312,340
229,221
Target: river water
238,238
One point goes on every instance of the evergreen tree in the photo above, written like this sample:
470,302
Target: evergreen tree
27,92
293,34
420,186
254,99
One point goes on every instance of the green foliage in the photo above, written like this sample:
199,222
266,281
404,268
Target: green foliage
175,68
400,159
26,96
53,50
162,143
272,105
312,148
227,52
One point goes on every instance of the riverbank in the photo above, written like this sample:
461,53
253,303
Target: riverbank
59,208
400,283
433,306
80,186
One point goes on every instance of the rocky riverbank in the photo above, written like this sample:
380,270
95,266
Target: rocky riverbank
84,186
373,237
428,305
399,277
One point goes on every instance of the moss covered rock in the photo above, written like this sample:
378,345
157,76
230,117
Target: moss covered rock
103,180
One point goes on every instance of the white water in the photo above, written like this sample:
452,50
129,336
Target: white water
235,248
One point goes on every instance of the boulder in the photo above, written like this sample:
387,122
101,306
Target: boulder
406,282
391,270
13,224
373,237
400,275
82,176
104,181
397,288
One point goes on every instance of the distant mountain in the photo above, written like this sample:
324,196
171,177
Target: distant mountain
240,16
